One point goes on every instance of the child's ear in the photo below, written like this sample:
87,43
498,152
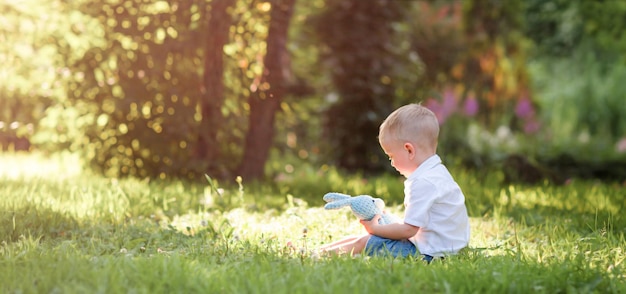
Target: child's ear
409,148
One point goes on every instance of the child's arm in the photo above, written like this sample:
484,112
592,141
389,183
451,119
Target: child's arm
395,231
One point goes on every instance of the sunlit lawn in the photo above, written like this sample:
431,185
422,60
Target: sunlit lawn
66,231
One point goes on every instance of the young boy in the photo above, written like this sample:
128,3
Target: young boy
435,220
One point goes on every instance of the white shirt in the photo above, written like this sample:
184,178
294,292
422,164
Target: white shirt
435,203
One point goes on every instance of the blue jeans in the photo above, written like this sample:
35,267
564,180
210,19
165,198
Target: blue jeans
378,246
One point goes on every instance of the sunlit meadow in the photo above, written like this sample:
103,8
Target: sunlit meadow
64,230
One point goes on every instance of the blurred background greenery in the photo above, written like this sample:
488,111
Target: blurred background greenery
266,88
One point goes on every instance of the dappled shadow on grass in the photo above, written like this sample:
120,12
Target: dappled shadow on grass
580,206
574,221
97,236
35,221
542,228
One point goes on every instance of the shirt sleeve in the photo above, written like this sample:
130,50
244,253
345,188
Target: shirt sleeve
419,198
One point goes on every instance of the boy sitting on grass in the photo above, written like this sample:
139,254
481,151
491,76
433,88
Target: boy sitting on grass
435,220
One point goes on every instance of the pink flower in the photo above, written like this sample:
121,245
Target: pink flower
436,108
621,145
444,109
524,108
531,126
449,102
470,107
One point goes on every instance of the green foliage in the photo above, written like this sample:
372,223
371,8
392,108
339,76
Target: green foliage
120,82
133,99
577,77
138,94
494,69
32,73
586,125
569,122
560,27
75,232
554,26
605,25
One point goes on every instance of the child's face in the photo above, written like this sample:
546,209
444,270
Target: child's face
402,156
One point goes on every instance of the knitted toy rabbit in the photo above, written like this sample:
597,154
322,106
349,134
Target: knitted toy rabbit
363,206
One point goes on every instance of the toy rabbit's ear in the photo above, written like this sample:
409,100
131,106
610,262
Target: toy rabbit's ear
330,197
336,204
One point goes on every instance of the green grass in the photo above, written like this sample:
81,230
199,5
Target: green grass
63,230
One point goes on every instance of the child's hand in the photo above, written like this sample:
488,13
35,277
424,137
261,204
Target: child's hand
370,225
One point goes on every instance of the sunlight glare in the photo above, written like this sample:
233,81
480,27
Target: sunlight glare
23,166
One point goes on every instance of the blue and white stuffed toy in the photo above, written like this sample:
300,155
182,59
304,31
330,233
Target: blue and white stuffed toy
364,207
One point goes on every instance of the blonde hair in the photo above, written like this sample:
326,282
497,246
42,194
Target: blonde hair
411,123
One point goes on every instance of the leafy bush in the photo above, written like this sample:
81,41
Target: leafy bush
132,98
584,122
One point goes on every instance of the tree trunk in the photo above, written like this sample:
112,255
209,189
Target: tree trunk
212,99
265,101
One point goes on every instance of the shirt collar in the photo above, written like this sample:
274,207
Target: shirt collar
429,163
